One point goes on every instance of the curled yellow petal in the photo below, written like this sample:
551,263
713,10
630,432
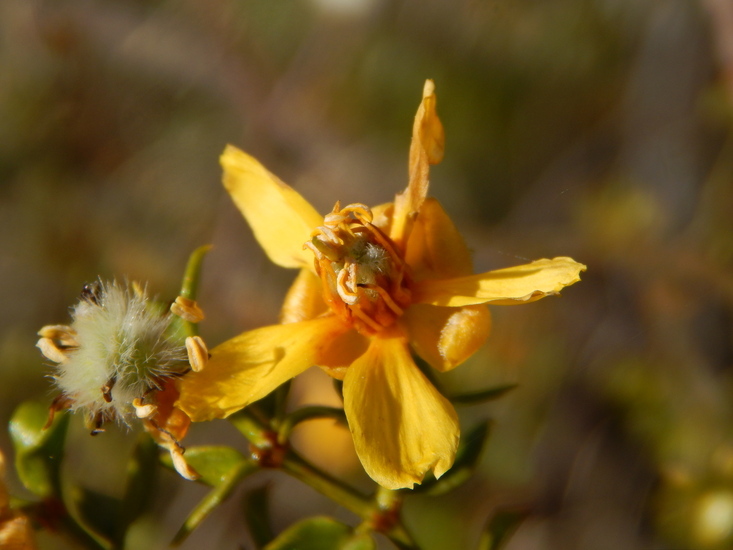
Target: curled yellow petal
446,336
435,249
402,426
251,365
426,148
512,285
280,218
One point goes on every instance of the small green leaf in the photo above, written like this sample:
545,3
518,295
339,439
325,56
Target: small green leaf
467,458
90,517
38,452
214,463
257,515
500,527
483,395
98,512
321,533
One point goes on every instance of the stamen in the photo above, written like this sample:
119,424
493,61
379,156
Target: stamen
180,464
107,389
360,211
358,313
386,297
187,309
198,353
309,244
60,403
63,334
51,351
329,233
143,411
347,295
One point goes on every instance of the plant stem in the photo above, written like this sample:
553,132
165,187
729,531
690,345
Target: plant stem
366,507
336,490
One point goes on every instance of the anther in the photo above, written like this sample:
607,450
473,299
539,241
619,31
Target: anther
187,309
198,353
51,351
143,411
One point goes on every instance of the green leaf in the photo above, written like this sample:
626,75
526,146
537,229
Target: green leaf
221,467
89,517
257,515
97,512
321,533
214,463
500,527
38,451
483,395
467,459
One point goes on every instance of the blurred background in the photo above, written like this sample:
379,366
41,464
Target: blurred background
597,129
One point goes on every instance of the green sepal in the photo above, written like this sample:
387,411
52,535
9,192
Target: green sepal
89,517
467,459
38,452
257,515
321,533
221,467
500,527
483,395
180,329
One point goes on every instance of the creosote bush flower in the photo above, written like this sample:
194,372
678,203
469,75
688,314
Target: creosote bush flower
375,284
117,362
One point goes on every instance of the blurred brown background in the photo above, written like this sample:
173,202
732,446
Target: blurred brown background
598,129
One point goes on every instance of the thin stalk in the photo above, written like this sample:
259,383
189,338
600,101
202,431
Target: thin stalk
333,488
192,275
307,413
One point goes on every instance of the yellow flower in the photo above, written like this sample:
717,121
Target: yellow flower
374,284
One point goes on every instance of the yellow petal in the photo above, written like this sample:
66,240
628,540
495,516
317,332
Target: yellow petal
513,285
402,426
281,219
340,352
251,365
426,148
435,249
304,299
446,336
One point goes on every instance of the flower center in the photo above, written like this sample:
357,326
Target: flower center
365,279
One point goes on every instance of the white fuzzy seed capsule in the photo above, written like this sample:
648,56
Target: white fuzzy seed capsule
114,352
